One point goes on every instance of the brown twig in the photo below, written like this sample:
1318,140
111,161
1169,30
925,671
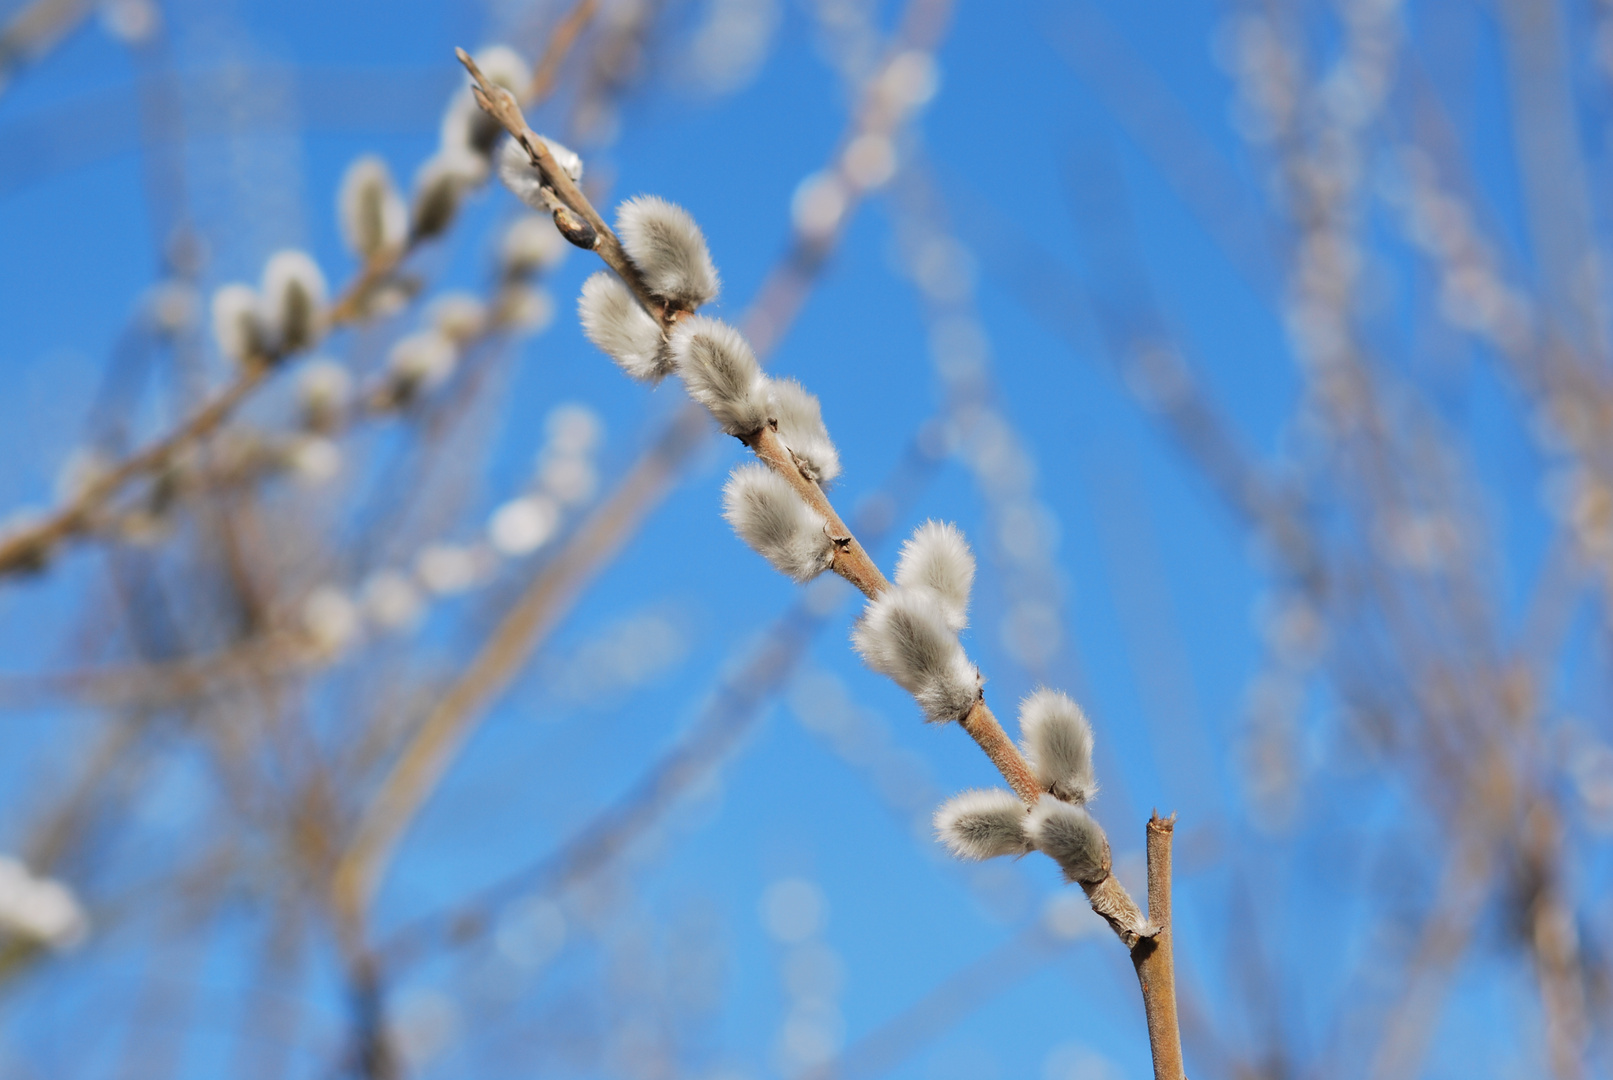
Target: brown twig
31,32
27,547
850,560
545,599
561,40
1108,897
1153,958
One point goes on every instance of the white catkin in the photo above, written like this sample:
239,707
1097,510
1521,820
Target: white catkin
769,516
458,316
371,212
801,428
720,371
531,245
419,363
904,634
1069,835
39,908
238,324
1057,740
614,320
505,67
524,180
324,389
937,558
983,824
569,160
522,177
467,128
293,301
669,250
438,188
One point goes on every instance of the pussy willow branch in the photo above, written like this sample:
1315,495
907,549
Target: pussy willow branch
850,560
1108,896
24,547
546,598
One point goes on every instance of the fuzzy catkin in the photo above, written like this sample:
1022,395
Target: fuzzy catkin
324,389
419,363
525,180
467,127
618,325
720,371
1069,835
503,66
937,558
983,824
372,214
1057,740
769,516
668,250
438,188
904,634
531,245
801,428
238,325
293,301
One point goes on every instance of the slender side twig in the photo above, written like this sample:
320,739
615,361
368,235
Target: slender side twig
28,547
561,40
34,30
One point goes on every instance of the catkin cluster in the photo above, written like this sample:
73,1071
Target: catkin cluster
1057,743
909,629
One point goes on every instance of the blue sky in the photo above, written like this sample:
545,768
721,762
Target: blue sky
1034,146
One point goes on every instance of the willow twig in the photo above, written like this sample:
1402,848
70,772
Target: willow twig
1106,894
27,547
548,595
1154,960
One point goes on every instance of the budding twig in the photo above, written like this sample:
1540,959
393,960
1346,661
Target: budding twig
586,229
546,598
1108,897
1153,957
26,547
